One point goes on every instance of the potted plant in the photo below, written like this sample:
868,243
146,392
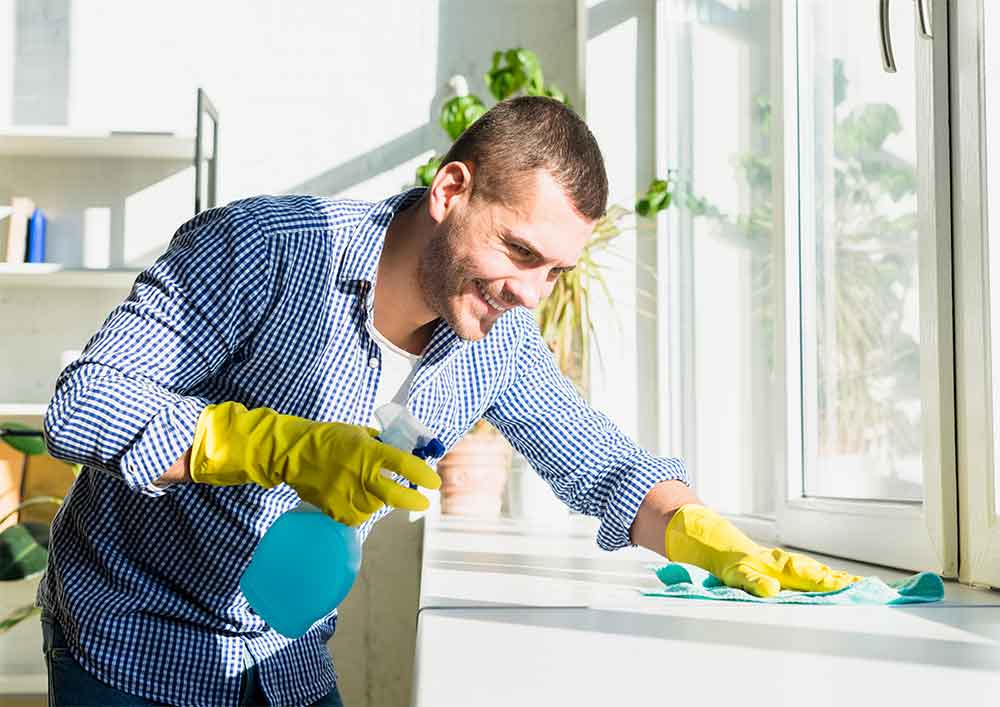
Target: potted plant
475,471
42,482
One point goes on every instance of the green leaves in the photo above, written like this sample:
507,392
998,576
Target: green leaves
29,444
16,616
564,316
553,91
24,547
23,550
865,130
656,198
426,172
515,70
459,112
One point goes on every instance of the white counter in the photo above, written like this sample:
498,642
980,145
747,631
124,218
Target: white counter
512,614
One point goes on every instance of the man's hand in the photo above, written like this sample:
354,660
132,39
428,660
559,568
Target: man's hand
334,466
699,536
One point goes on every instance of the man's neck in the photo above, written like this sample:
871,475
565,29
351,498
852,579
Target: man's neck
400,313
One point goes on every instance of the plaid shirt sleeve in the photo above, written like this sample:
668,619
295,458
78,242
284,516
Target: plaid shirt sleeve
591,465
121,407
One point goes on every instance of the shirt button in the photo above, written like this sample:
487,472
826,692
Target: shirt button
373,362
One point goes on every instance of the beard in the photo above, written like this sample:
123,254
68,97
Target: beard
442,277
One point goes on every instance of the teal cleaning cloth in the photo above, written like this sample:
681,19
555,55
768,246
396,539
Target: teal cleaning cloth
690,582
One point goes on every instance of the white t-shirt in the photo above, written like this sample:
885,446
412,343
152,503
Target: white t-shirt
397,372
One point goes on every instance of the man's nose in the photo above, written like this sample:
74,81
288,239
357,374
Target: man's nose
527,291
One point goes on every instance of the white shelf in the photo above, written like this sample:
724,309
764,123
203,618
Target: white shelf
29,268
67,142
22,409
32,684
54,275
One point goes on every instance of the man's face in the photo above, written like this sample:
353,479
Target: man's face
486,258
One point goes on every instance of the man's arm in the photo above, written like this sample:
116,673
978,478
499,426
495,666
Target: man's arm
587,460
125,405
673,522
650,525
178,473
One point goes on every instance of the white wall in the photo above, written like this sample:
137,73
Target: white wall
620,83
338,98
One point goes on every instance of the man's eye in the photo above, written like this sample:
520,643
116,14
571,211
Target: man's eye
521,250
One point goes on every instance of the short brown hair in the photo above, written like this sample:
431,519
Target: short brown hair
520,135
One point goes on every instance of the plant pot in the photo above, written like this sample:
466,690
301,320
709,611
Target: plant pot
530,498
474,474
22,667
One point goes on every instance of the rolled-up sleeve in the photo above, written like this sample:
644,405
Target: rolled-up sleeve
591,465
124,406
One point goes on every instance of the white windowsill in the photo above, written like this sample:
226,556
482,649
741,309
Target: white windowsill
555,620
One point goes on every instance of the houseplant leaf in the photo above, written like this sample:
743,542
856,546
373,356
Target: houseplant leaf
459,112
553,91
23,550
527,63
503,81
522,71
656,198
24,439
426,172
16,616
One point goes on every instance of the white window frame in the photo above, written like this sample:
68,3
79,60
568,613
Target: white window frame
906,535
959,446
675,259
979,525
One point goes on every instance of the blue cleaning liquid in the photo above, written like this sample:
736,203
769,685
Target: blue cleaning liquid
306,563
301,570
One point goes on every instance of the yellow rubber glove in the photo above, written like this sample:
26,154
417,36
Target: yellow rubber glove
332,465
701,537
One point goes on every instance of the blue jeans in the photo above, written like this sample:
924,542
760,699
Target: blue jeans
70,684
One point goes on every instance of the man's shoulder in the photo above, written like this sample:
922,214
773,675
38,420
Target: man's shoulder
301,212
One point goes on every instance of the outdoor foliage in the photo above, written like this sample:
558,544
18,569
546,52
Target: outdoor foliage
868,375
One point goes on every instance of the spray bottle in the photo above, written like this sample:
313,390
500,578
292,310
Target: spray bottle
306,562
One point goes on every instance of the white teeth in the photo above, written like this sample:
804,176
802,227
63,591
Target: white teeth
489,300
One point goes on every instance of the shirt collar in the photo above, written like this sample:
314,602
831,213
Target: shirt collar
364,248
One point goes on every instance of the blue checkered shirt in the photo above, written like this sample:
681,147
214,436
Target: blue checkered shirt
267,301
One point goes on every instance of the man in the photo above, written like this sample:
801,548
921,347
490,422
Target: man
243,369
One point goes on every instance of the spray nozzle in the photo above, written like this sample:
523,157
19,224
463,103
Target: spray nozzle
403,431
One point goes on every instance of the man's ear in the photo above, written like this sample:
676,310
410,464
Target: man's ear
451,188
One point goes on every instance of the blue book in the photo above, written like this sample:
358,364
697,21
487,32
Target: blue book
36,237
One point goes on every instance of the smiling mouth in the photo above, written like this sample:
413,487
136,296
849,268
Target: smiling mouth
489,300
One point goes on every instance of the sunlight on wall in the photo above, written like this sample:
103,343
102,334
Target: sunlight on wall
611,115
149,215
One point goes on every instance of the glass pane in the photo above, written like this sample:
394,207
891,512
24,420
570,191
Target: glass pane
721,115
858,220
991,134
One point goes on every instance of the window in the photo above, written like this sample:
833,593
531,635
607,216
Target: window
976,120
718,113
859,269
991,211
810,273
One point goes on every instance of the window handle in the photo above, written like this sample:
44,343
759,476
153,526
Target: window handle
924,16
888,61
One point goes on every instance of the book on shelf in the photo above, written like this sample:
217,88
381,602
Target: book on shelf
17,231
36,237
